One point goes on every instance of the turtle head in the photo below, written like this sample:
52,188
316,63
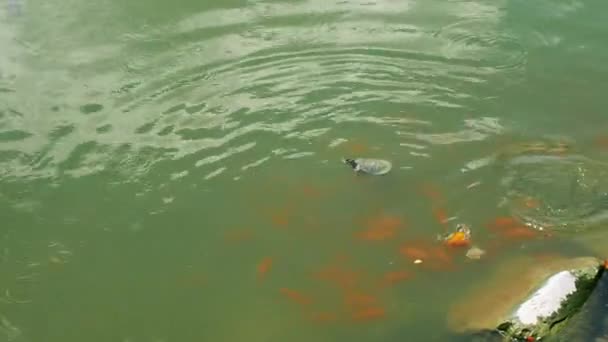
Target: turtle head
461,227
350,162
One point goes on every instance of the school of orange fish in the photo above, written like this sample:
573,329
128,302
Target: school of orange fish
361,298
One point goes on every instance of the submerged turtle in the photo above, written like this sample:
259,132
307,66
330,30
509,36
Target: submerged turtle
375,167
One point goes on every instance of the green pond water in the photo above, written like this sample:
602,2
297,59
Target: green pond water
170,171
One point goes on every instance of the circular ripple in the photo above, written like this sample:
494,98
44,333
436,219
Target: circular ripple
482,42
557,192
203,91
288,98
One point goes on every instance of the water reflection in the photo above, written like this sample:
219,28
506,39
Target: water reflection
224,79
194,150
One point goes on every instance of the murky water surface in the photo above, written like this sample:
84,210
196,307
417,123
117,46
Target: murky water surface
171,171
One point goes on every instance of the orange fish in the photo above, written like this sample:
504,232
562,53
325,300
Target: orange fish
441,260
280,219
369,313
264,267
324,317
296,296
606,264
394,277
531,203
458,239
440,215
310,191
433,256
602,141
503,221
512,229
520,232
414,253
376,234
359,299
516,231
442,255
380,228
432,192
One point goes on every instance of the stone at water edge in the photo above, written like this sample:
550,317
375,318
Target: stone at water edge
552,306
495,302
591,322
376,167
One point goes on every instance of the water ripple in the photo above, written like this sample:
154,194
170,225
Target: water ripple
557,192
219,84
480,41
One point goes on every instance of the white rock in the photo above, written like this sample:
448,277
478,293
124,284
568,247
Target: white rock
547,299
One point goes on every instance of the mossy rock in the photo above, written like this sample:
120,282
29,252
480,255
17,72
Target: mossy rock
514,329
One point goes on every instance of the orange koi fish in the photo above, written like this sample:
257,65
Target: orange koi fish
458,239
280,219
359,299
510,228
370,313
311,191
441,215
324,317
380,228
503,221
342,278
414,253
602,141
296,296
394,277
432,192
264,267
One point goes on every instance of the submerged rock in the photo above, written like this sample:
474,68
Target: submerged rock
591,323
551,307
525,298
475,253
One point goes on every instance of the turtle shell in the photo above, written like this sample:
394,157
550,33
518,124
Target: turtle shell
373,166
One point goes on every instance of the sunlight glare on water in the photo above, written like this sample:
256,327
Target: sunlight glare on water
170,171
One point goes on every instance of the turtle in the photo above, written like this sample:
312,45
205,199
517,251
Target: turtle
370,166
